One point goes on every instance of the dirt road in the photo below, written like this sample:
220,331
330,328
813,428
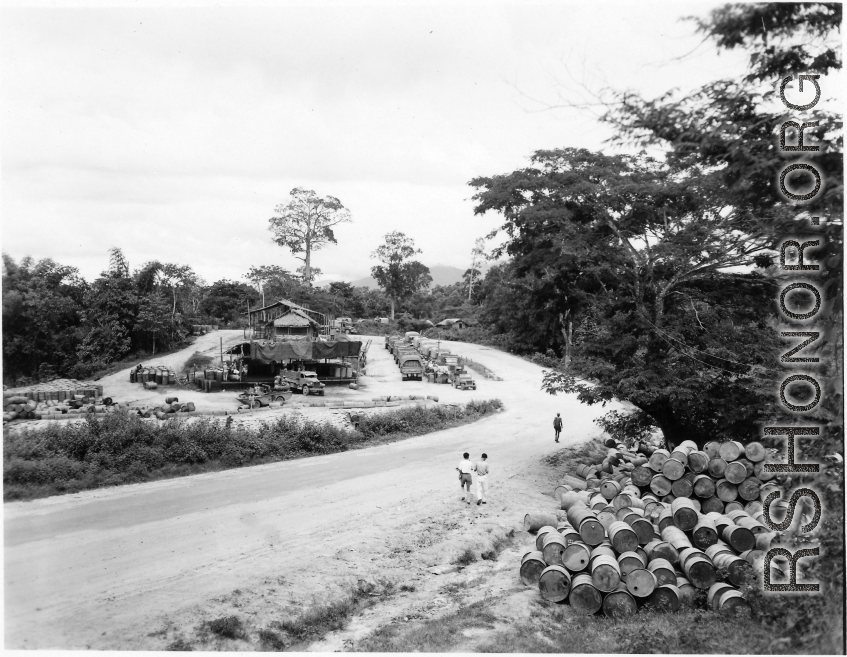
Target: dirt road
128,567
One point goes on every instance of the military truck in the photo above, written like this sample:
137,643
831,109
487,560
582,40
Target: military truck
411,367
305,382
464,382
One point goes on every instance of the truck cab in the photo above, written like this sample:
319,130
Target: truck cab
305,382
411,367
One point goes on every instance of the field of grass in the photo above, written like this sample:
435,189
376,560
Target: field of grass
117,448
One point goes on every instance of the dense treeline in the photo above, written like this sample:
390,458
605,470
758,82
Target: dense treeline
55,323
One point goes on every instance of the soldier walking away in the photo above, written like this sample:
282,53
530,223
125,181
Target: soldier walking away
481,480
557,425
465,469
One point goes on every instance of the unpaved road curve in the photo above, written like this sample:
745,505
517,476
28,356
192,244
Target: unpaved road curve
100,569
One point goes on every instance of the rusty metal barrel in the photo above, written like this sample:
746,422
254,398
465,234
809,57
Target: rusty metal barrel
629,561
641,582
665,518
554,583
623,537
642,527
737,569
735,472
676,537
619,603
641,475
731,450
553,547
605,572
610,489
712,504
738,538
704,533
682,487
755,452
542,532
575,557
716,467
698,568
657,458
748,490
532,565
663,571
704,486
606,517
698,461
586,523
726,490
660,485
657,549
532,522
684,513
568,533
673,468
722,597
686,591
712,448
666,597
584,597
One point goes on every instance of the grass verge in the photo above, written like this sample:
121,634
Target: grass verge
117,448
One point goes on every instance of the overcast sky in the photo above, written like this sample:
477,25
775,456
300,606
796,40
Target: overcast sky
173,133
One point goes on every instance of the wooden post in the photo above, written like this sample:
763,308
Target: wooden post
222,350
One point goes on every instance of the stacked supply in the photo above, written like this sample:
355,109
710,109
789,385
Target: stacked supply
651,528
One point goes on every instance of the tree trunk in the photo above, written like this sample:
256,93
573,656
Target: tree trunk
567,334
392,308
307,264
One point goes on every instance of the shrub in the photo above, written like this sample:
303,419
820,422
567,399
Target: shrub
466,558
196,361
119,448
229,627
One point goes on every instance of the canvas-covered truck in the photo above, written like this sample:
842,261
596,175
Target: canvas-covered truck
305,382
411,367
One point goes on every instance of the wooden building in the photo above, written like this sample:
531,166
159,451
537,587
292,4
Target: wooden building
286,319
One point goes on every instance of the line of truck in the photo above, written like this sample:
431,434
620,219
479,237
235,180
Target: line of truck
417,356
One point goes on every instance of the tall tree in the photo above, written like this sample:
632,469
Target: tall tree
399,275
272,281
473,273
305,225
639,251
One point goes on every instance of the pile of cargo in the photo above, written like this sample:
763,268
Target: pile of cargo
652,528
170,409
57,397
153,377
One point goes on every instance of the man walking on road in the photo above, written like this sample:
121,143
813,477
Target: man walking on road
465,478
481,480
557,425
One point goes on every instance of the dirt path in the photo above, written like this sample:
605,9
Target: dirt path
133,567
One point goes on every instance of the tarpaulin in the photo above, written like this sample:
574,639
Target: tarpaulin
267,351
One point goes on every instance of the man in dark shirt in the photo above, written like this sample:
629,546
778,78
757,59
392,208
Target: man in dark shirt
557,425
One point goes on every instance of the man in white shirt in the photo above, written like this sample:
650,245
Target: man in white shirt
465,469
481,480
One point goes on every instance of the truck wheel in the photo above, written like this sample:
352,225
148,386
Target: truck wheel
305,390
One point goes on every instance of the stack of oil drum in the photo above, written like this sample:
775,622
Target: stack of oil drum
650,529
58,397
152,377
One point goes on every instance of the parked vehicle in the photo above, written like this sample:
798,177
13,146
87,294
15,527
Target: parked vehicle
304,382
464,382
267,396
411,367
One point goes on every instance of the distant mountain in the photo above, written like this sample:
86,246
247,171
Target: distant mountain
441,275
